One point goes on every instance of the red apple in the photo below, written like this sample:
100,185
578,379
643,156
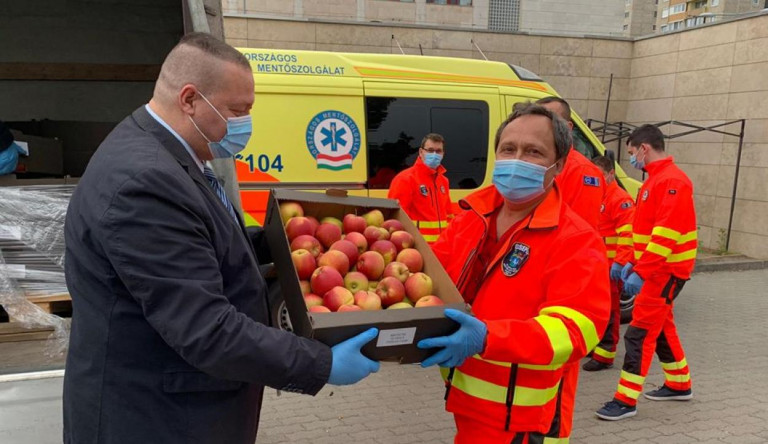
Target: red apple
392,225
347,248
304,263
336,297
314,223
349,308
399,305
397,270
308,243
331,220
374,217
429,301
305,287
319,309
359,240
386,249
417,286
296,226
412,258
371,264
327,234
367,300
325,278
391,291
373,234
355,281
335,259
312,300
353,223
402,240
289,210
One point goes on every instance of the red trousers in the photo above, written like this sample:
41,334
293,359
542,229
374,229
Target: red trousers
605,351
653,330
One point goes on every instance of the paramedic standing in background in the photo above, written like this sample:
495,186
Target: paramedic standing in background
581,182
665,242
422,189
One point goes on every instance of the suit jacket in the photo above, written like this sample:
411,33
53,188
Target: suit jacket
169,341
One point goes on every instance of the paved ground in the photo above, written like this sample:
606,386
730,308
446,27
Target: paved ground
721,321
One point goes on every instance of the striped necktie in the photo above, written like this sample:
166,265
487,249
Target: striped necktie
219,190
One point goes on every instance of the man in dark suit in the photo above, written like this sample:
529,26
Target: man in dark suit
169,339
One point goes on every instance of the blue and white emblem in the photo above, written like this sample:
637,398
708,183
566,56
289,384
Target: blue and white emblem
591,181
423,190
333,139
515,259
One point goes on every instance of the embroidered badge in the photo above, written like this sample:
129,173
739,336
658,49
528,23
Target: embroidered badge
645,195
602,208
591,181
515,259
626,205
442,189
423,190
672,191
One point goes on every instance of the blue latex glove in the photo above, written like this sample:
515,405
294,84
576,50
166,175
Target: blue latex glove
467,341
626,271
633,284
349,365
616,271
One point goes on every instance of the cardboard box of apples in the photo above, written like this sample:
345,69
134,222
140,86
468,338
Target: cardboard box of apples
348,263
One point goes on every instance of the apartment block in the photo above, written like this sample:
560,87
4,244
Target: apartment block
674,15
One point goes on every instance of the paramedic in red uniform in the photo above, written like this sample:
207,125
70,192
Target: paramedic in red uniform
581,182
537,278
615,227
422,189
664,234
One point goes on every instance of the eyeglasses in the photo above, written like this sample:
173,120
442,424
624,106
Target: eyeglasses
433,151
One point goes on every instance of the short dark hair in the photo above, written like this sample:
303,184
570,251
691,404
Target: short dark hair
560,130
649,134
437,138
605,163
215,47
555,99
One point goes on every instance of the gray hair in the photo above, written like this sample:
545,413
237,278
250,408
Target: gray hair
560,129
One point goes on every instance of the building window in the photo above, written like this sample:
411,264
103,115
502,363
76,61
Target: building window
665,13
655,14
676,25
653,27
451,2
694,21
626,27
715,2
626,15
504,15
664,28
395,127
700,4
677,9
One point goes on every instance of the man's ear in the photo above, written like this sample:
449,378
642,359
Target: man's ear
186,99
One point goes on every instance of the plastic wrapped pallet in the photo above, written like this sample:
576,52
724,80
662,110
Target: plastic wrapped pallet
32,256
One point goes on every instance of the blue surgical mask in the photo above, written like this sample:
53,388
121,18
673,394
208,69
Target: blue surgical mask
238,132
639,164
432,160
519,181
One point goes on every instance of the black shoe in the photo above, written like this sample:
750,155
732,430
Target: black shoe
667,394
615,410
594,366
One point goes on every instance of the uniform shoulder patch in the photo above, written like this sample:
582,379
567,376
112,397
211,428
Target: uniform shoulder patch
591,181
515,259
626,205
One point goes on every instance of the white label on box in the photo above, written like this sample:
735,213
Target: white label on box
14,271
10,232
397,336
24,146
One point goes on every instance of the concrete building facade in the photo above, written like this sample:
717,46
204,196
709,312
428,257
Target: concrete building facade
639,17
705,76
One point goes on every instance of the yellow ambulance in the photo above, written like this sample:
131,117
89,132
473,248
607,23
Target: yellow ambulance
352,121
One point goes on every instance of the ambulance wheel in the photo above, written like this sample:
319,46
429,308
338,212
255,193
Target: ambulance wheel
278,309
626,304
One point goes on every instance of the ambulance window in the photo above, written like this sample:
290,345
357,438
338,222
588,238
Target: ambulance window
395,127
582,144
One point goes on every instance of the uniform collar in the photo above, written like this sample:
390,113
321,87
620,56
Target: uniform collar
655,167
422,168
546,215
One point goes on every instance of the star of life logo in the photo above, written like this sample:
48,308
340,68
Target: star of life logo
333,139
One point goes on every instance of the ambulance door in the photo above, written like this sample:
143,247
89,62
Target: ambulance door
400,114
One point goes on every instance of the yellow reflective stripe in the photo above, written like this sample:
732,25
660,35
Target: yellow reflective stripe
633,394
624,228
667,233
531,397
499,363
640,238
687,237
604,353
674,365
677,378
625,241
550,368
432,224
682,257
586,326
661,250
430,237
559,339
556,440
611,254
638,254
636,379
479,388
444,372
611,240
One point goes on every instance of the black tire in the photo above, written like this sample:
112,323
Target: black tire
626,305
278,310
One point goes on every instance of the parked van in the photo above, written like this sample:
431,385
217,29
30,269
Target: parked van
353,121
